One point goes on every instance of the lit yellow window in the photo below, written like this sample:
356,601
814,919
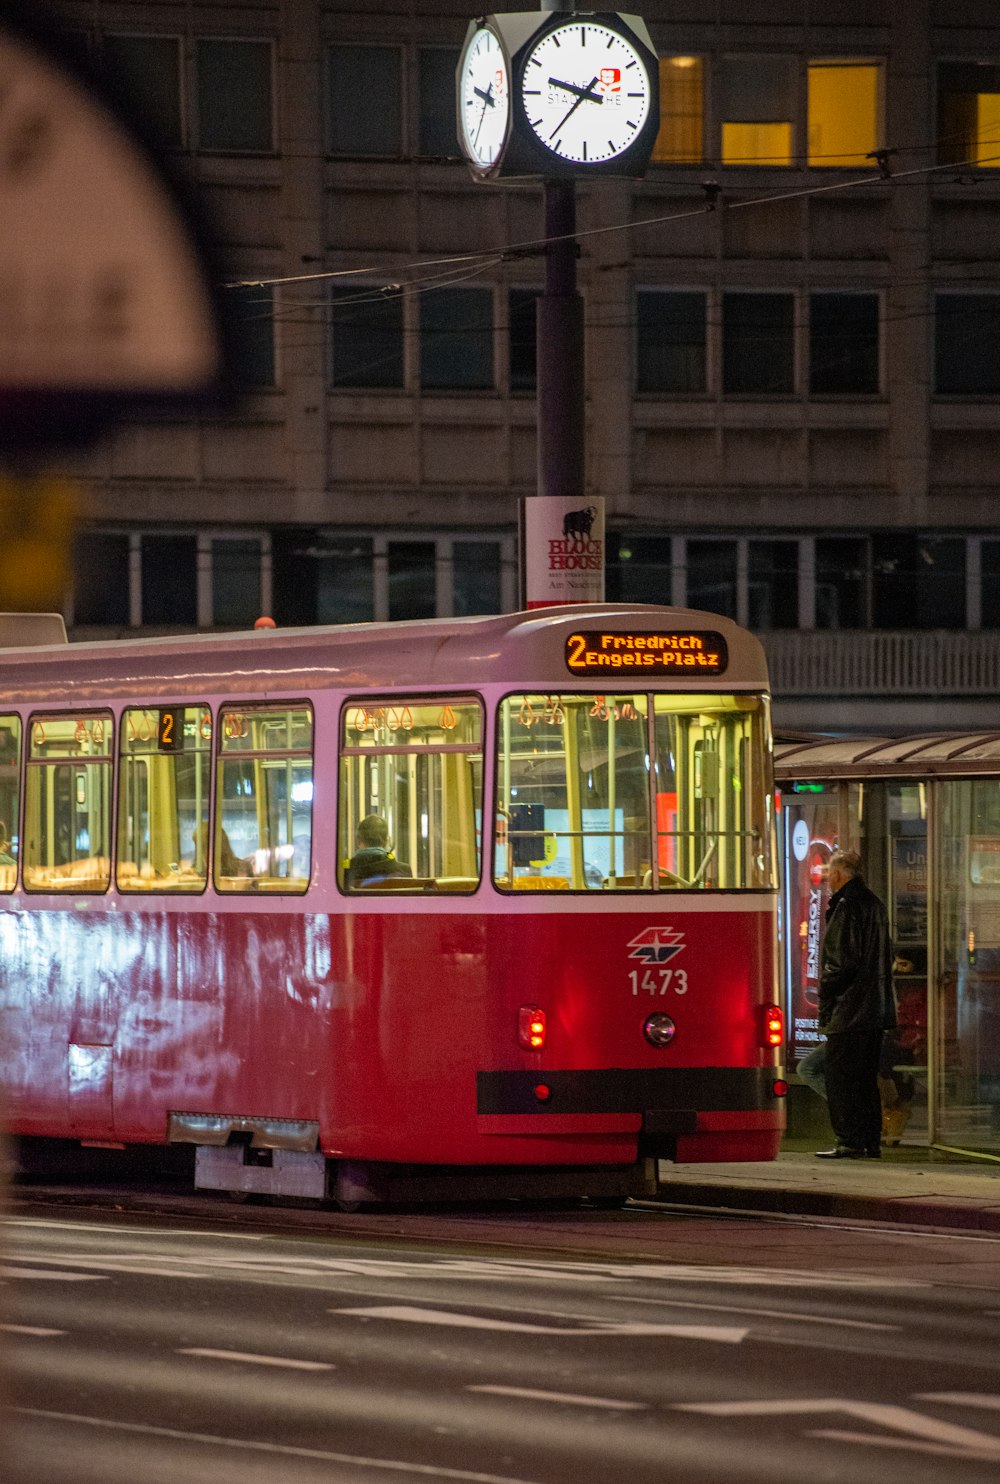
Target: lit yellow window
843,113
986,151
682,108
756,144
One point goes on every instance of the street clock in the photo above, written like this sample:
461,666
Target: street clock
565,94
585,86
483,80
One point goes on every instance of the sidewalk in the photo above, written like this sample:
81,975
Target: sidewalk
908,1186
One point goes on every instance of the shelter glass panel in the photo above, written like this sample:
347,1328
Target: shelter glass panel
67,814
411,794
967,1053
163,793
264,800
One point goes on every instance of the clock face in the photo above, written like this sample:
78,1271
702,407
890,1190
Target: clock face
483,98
585,91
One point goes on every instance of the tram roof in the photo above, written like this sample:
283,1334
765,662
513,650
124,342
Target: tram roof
463,653
931,754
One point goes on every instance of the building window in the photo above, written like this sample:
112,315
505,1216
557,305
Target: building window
918,581
968,114
437,133
367,338
235,108
844,113
251,319
148,69
670,341
773,585
476,581
640,570
170,580
101,580
319,578
842,583
712,576
374,74
456,340
522,320
10,799
990,579
966,334
758,110
236,595
758,344
412,579
843,344
682,110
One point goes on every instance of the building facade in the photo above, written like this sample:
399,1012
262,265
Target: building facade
792,322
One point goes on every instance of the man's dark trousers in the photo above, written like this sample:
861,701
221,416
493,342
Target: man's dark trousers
855,1108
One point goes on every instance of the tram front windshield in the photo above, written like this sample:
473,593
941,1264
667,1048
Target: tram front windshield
634,792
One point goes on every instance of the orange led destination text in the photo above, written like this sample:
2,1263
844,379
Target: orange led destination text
592,650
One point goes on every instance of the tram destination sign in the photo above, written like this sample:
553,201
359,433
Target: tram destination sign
678,651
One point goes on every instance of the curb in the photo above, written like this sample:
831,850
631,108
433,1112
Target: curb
922,1211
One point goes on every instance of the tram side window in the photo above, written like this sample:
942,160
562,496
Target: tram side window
264,800
67,814
714,803
163,793
590,796
416,765
573,793
10,799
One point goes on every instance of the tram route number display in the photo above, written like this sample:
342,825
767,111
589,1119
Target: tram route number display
594,651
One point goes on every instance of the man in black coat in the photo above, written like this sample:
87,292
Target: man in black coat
856,1006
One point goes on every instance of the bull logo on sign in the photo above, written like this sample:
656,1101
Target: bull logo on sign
577,524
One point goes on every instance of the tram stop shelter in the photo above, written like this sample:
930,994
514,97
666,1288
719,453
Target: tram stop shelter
924,813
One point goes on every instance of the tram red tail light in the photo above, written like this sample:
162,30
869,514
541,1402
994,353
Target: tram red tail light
774,1026
531,1028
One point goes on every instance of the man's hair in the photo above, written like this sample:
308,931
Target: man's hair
373,831
848,861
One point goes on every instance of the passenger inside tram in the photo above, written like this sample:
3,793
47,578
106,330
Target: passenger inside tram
373,860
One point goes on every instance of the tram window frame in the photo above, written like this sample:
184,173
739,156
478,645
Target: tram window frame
187,879
64,875
11,796
245,878
466,790
650,803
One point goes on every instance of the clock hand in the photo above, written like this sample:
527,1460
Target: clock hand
487,98
582,93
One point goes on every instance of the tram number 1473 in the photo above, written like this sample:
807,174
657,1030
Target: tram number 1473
658,981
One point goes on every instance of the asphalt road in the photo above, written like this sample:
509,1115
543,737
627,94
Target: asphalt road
539,1348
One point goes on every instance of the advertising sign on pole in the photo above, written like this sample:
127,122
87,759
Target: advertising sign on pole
562,550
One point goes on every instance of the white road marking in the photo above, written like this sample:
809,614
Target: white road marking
251,1359
961,1399
44,1274
522,1392
897,1419
30,1329
280,1450
759,1313
410,1315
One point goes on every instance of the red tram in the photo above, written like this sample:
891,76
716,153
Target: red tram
561,971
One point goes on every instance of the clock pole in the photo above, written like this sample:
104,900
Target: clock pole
562,463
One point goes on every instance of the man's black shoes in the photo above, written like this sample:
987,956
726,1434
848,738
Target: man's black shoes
841,1151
